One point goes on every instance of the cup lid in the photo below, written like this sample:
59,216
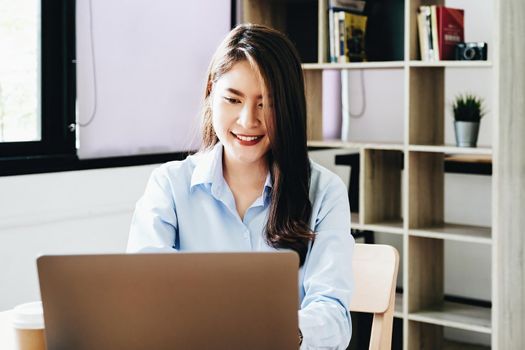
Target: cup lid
28,316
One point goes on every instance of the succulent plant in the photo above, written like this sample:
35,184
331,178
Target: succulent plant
468,108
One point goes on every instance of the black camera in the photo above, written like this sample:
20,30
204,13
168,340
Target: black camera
476,51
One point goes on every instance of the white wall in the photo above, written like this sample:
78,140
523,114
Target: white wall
60,213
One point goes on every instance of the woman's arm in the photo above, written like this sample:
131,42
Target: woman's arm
154,223
324,318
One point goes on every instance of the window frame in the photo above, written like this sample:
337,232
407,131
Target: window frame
57,88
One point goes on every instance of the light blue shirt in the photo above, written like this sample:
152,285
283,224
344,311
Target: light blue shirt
188,206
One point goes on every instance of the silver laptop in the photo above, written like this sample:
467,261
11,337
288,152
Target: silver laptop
170,301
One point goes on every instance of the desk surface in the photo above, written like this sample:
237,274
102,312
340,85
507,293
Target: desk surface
7,333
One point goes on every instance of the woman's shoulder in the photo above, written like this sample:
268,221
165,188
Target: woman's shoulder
179,169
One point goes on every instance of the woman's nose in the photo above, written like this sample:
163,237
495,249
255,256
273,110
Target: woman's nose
249,117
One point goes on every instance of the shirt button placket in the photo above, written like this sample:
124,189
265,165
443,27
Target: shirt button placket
246,236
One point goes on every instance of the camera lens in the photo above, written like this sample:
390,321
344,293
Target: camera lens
469,53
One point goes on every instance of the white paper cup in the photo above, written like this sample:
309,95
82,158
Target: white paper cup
28,322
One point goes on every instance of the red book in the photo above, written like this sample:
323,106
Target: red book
450,30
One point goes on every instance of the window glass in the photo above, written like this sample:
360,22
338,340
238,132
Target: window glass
20,118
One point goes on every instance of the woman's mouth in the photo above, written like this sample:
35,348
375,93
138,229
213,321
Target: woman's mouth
247,140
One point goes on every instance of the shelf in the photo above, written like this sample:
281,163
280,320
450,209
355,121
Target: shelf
389,226
455,232
354,65
452,64
456,315
356,145
449,149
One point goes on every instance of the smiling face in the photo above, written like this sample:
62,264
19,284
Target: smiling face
240,109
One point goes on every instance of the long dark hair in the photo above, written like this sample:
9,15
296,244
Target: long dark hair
277,61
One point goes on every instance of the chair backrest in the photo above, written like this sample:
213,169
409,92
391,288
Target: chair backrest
375,269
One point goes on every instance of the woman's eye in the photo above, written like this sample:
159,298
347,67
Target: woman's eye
231,100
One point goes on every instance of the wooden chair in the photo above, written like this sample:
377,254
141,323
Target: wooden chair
375,273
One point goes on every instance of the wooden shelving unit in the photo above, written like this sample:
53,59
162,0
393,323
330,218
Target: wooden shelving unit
402,184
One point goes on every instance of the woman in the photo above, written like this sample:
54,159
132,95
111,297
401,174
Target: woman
253,187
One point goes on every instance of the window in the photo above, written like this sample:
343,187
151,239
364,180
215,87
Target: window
37,80
38,46
19,71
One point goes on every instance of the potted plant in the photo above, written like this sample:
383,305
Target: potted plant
468,110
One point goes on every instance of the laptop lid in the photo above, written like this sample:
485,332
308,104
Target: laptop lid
170,301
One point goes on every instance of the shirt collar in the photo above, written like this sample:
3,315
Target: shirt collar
209,171
209,167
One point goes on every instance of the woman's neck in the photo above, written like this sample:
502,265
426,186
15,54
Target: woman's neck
248,176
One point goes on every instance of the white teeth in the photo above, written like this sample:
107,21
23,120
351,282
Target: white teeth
247,138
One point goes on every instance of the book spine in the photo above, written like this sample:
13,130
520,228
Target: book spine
423,37
335,36
425,11
355,26
435,37
342,37
450,30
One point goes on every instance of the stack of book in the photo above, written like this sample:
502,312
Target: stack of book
347,28
440,30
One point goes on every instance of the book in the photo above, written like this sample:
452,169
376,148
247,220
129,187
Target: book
423,33
355,29
347,23
450,30
334,35
426,41
342,57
